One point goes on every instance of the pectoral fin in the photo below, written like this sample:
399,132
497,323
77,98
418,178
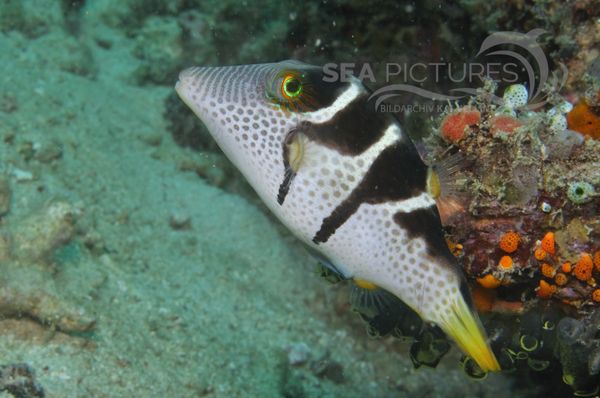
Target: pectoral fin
294,147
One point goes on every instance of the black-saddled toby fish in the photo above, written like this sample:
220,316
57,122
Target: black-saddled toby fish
344,179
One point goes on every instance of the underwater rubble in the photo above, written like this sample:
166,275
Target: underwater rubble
26,266
19,381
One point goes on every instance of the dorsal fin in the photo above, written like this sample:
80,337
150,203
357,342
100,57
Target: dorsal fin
445,183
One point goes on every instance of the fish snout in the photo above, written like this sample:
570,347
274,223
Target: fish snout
189,82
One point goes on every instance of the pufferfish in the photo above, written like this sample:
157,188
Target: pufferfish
345,179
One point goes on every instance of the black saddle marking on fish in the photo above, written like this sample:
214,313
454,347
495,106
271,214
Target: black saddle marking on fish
352,130
322,93
288,174
425,223
284,187
396,174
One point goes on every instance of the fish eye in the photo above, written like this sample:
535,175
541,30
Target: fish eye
291,86
290,89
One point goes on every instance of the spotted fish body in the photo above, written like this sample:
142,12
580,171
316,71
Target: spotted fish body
343,178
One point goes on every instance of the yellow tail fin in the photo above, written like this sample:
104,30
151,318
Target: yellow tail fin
464,327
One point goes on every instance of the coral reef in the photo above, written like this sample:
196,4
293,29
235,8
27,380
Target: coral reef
528,224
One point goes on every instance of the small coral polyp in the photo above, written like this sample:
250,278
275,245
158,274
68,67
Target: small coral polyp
504,124
548,270
509,242
580,192
489,281
584,267
561,279
458,123
585,117
545,290
506,262
548,243
515,96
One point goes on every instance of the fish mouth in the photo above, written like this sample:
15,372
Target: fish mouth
186,86
184,80
178,85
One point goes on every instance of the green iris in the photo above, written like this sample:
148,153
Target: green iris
292,87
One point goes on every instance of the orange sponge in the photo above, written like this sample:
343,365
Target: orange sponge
583,269
509,242
489,281
548,243
585,119
545,290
